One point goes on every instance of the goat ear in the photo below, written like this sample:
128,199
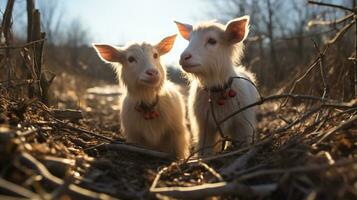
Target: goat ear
184,29
109,53
237,29
166,44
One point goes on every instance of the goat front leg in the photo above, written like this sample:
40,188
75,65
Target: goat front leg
208,140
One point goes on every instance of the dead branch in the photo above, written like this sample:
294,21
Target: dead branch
331,5
12,198
322,71
310,68
332,22
341,33
212,171
74,191
9,188
298,120
337,128
216,189
69,114
299,169
73,128
276,97
240,162
232,153
23,45
135,149
211,189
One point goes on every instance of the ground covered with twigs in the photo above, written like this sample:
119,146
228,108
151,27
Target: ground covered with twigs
305,148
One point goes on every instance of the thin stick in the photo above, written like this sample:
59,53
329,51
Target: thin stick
332,22
341,32
74,191
322,71
240,162
331,5
216,189
232,153
23,45
13,189
337,128
271,98
136,149
296,169
68,126
212,171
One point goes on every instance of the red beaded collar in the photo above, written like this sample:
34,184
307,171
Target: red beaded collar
148,110
225,91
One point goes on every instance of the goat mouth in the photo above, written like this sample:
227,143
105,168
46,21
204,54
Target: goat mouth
151,82
190,66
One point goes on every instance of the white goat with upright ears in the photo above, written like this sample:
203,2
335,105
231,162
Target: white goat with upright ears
152,109
216,84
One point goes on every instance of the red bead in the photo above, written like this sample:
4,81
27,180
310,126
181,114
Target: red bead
220,102
156,114
232,93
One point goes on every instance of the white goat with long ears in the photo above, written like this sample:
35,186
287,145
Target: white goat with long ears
216,84
152,110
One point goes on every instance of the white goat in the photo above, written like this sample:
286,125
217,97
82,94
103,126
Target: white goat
209,61
152,110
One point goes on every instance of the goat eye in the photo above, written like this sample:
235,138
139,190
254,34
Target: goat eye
155,55
211,41
131,59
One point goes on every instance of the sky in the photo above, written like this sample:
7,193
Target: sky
123,21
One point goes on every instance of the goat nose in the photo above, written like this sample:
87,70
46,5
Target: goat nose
186,56
152,72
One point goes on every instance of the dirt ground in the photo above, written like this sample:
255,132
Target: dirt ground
303,150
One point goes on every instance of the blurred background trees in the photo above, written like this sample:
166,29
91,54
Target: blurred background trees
280,46
282,38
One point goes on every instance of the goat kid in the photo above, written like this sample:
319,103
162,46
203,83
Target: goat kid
209,61
152,109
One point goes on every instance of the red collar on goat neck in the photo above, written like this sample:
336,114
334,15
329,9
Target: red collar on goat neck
148,110
225,92
220,88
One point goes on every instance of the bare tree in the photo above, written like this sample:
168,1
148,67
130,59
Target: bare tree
52,15
76,36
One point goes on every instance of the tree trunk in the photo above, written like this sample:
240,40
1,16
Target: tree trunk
270,26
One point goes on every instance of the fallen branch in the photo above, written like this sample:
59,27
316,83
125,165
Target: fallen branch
9,188
337,128
69,114
74,191
232,153
68,126
216,189
276,97
135,149
240,162
212,171
296,169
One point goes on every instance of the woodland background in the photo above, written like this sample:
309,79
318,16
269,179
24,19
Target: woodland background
60,134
